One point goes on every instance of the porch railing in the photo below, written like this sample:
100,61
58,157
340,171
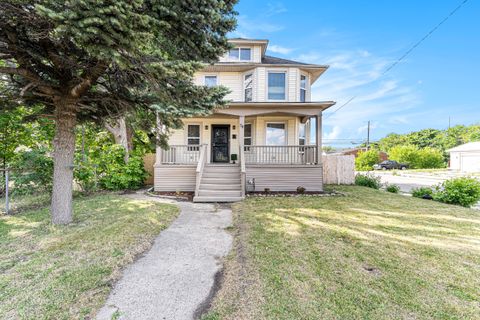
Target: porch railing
293,154
200,166
181,154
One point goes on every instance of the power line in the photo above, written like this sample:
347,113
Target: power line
407,52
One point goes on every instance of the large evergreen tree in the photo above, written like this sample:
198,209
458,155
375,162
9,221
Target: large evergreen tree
99,59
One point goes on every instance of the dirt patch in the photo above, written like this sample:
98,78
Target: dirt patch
207,303
372,270
178,196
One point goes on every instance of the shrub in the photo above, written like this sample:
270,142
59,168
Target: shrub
368,180
429,158
461,191
426,158
421,192
366,159
116,175
301,190
34,171
393,188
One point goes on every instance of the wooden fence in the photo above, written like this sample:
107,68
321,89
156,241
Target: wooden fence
339,169
148,162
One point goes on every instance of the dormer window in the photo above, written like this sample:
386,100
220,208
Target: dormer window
240,54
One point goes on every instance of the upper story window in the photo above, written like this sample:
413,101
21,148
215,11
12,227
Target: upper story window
241,54
193,131
276,85
210,81
303,88
248,87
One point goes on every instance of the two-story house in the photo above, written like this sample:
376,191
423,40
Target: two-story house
269,136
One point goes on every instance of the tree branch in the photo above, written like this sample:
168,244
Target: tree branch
89,78
36,80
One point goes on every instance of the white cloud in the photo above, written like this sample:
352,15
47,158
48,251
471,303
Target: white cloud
279,49
248,25
385,100
334,134
275,8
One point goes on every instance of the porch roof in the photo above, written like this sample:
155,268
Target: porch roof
287,108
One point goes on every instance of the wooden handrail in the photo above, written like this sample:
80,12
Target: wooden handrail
202,159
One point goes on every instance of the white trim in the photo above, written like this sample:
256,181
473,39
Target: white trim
300,87
200,124
285,124
267,71
210,75
240,54
243,84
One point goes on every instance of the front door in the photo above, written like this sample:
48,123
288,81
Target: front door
220,139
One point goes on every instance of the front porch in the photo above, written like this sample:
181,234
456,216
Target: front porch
242,149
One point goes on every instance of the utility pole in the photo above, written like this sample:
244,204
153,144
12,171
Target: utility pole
368,135
448,122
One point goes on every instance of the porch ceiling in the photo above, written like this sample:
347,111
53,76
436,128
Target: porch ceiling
275,108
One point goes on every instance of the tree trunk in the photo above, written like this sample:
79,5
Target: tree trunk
64,148
123,135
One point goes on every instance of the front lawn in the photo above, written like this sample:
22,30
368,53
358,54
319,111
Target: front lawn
66,272
368,255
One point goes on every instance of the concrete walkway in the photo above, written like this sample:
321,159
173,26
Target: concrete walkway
176,278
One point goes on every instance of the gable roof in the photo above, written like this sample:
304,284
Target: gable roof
471,146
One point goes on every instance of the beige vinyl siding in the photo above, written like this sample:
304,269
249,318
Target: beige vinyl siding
285,178
292,85
231,80
257,54
261,84
174,178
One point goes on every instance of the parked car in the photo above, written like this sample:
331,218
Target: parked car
389,165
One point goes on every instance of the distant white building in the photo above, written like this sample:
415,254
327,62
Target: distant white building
465,157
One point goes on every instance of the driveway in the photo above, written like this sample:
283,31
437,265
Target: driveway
408,181
177,278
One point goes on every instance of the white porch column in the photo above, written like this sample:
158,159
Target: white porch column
241,133
318,138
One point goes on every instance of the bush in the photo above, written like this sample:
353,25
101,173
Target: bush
366,159
429,158
426,158
368,180
461,191
115,174
393,188
421,192
34,171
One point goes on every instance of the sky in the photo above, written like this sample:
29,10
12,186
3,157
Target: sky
359,40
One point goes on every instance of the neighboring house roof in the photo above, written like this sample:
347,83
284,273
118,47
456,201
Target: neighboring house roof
471,146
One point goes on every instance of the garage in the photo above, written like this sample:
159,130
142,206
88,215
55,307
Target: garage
466,157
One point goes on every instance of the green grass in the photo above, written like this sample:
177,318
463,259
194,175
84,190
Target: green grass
368,255
18,203
66,272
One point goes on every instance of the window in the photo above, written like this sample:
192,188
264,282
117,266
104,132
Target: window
303,88
242,54
247,137
248,87
193,131
210,81
301,134
276,135
245,54
276,85
233,54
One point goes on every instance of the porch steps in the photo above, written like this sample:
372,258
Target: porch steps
220,183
